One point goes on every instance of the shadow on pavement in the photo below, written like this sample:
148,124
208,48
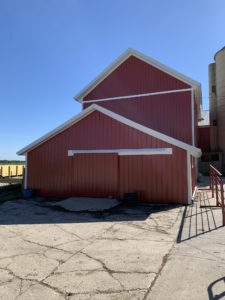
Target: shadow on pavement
39,211
199,218
214,287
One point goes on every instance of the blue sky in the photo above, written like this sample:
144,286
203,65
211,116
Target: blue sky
50,49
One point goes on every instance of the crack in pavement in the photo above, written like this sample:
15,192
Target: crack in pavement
35,281
164,261
104,267
63,256
68,232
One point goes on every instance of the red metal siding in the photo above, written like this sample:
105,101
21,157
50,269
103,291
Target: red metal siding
169,113
52,173
204,138
95,174
134,76
155,177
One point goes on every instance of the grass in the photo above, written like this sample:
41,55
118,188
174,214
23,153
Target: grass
12,162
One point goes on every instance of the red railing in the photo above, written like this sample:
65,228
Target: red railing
217,188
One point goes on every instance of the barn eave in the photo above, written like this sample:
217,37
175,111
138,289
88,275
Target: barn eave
194,151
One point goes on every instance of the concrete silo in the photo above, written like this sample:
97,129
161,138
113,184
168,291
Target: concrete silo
213,107
220,100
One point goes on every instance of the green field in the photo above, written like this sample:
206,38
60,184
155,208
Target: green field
11,180
12,162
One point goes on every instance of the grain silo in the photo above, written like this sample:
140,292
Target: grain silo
220,100
213,107
212,133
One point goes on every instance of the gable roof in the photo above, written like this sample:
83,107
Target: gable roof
131,52
94,107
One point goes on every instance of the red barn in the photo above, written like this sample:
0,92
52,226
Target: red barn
137,133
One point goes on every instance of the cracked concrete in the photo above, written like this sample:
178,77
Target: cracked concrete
194,269
47,253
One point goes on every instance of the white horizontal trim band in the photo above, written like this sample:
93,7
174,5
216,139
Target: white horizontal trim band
137,95
94,107
144,151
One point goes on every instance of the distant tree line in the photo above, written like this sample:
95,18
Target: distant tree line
12,162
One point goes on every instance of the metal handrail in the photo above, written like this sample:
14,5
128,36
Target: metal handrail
216,186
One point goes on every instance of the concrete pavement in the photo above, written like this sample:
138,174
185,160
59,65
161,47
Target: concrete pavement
195,266
144,252
47,253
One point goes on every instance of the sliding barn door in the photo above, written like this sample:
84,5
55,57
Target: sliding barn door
95,175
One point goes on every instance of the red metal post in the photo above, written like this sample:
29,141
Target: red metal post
212,179
222,201
216,183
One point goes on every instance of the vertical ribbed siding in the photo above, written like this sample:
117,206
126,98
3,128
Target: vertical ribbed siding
157,178
168,113
204,138
160,178
135,76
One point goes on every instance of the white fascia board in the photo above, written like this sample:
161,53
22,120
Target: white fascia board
165,68
94,107
106,72
143,151
196,152
137,95
57,130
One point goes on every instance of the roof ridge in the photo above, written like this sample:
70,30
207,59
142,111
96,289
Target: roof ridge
120,59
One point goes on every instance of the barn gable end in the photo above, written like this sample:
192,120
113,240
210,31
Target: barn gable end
53,173
133,77
136,133
149,93
135,55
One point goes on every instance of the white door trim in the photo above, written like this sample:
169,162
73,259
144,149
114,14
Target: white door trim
144,151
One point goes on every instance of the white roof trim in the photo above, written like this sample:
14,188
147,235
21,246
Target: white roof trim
94,107
137,95
141,151
129,52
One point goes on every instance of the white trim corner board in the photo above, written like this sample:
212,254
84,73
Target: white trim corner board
189,178
193,117
26,171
